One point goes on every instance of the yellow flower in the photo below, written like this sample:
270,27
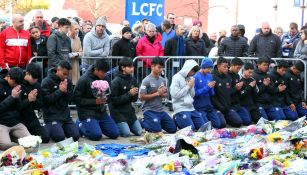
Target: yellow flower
166,168
195,143
108,174
36,172
286,163
274,137
95,153
171,166
45,154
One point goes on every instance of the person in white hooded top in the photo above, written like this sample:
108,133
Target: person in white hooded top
182,92
96,43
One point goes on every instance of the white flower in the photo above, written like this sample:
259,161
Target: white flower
30,141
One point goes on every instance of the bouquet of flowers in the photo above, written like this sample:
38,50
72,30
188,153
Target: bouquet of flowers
30,143
13,156
100,89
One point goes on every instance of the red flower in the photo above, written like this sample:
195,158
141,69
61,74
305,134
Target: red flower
233,134
171,149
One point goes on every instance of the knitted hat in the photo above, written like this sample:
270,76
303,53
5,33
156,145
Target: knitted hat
206,63
126,29
196,22
101,21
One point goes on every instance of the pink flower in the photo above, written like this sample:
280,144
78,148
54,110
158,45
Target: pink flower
100,86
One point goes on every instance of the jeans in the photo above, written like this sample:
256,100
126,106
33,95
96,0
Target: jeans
125,129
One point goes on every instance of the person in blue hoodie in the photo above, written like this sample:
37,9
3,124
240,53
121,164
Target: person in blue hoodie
182,92
204,89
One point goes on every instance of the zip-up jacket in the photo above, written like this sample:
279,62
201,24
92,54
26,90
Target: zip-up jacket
277,98
235,95
248,93
15,48
294,90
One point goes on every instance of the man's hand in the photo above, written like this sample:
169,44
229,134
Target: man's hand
32,95
253,83
191,82
16,91
133,91
211,84
100,101
63,86
292,107
239,85
266,81
281,87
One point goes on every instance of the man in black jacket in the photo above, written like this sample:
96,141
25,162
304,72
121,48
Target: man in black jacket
278,93
249,92
59,44
233,46
57,93
10,124
124,47
236,84
31,99
295,92
171,45
223,89
92,113
125,91
266,44
265,88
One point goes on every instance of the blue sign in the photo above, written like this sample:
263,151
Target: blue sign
153,10
297,3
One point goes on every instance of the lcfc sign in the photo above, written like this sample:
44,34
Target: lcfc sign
136,10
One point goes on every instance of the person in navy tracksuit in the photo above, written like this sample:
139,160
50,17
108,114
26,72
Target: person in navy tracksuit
278,93
235,66
294,92
223,90
204,90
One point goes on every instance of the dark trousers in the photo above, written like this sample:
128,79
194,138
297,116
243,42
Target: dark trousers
194,119
35,128
93,129
59,130
156,121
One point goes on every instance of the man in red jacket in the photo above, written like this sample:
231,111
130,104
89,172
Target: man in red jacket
15,45
38,21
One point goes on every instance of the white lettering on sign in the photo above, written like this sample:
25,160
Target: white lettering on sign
147,9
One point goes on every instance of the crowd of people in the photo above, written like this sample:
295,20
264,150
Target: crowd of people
199,92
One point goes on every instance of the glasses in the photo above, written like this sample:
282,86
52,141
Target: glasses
39,17
171,18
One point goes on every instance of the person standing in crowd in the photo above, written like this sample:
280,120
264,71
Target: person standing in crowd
124,90
289,39
10,124
152,91
249,92
57,92
223,93
31,99
106,29
171,18
294,91
92,112
195,46
278,93
266,44
175,46
183,92
15,45
214,51
222,32
264,96
86,28
54,24
125,23
38,21
297,41
149,45
242,31
233,46
167,33
124,47
235,66
204,90
59,45
96,43
301,48
38,42
138,31
213,37
209,45
76,49
279,32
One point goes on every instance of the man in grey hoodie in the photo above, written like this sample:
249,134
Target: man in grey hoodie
182,92
96,43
